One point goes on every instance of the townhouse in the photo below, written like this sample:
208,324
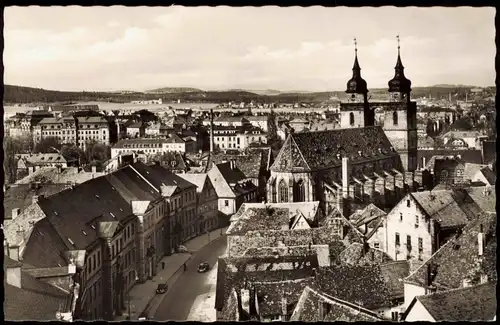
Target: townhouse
92,129
207,202
115,233
232,187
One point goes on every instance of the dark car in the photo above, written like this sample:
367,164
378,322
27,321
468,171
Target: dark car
204,267
162,288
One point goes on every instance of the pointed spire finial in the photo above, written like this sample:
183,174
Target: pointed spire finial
398,44
355,46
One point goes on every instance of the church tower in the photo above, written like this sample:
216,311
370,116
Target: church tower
355,111
400,117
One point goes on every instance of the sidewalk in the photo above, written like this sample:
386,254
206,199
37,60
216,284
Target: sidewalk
143,296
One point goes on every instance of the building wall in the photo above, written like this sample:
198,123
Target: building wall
208,207
291,180
412,291
418,313
227,205
407,226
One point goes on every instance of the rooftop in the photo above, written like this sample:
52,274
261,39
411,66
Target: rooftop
461,250
257,219
476,303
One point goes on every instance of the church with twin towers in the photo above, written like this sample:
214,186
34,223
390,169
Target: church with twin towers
359,162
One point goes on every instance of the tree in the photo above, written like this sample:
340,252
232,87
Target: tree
96,153
47,145
11,147
72,153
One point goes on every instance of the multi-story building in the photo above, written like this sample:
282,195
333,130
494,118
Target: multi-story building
236,137
92,128
64,129
207,202
153,146
116,232
22,124
260,121
232,186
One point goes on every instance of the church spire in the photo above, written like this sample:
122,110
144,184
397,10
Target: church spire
356,85
399,83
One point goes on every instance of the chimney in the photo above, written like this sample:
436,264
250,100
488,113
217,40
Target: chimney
480,241
117,130
321,310
211,130
94,169
345,177
284,304
423,162
427,275
15,213
245,300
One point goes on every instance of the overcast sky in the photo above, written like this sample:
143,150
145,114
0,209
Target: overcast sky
118,48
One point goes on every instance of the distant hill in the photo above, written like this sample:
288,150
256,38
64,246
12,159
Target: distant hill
172,90
25,95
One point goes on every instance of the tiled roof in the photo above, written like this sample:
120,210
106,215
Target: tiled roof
366,285
476,303
228,280
231,175
308,209
44,158
158,176
470,169
368,215
35,300
131,186
447,164
251,164
394,273
52,176
222,176
466,155
174,138
320,149
172,160
461,250
355,255
489,174
91,119
73,219
441,206
270,294
484,196
334,309
45,247
258,219
462,134
196,179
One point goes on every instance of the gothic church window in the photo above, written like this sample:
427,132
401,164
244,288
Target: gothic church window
283,191
299,192
273,192
351,118
395,118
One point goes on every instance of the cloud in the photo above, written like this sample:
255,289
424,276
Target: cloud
230,47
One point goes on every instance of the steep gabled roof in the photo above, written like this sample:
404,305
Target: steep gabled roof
461,250
197,179
307,309
320,149
476,303
158,176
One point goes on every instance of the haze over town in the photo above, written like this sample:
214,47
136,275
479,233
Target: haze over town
116,48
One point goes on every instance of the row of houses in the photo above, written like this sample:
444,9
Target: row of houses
290,261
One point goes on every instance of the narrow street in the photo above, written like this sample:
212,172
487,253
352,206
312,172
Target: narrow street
177,302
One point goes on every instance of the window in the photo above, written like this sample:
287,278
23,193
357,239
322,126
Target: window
351,118
283,191
408,242
226,203
395,118
420,244
408,203
416,221
397,239
400,216
299,192
376,245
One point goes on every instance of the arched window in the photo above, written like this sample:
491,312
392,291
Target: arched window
395,118
273,193
283,191
351,118
299,194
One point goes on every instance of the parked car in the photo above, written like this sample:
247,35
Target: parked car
203,267
182,249
162,288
